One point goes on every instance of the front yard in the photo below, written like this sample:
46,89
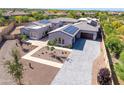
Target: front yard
52,54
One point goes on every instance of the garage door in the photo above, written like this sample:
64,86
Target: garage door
86,36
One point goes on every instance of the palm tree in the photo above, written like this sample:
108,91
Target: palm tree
15,68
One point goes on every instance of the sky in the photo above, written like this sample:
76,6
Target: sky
64,4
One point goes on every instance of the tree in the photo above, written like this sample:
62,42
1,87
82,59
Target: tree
25,18
72,14
108,28
103,77
31,19
37,15
18,19
121,58
119,69
121,30
2,21
117,24
102,16
15,68
114,44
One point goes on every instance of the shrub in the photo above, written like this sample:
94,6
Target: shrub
119,68
69,46
47,47
15,68
103,77
24,37
121,30
121,58
52,48
51,42
114,44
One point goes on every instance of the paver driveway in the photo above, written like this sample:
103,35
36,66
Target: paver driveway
78,69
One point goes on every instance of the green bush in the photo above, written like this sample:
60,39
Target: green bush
69,46
52,48
121,58
114,44
119,68
24,37
51,42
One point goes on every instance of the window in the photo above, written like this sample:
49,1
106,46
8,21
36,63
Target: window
59,40
63,41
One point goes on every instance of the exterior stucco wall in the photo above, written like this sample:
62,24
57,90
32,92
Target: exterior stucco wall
56,25
68,40
24,31
35,33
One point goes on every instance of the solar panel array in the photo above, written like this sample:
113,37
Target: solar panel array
44,21
71,29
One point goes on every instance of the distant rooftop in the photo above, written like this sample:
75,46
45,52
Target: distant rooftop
38,24
44,21
64,19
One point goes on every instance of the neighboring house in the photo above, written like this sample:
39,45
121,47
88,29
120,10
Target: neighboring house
89,13
66,35
66,21
15,13
37,30
56,23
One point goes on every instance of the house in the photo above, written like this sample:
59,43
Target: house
90,13
15,13
55,23
67,35
66,20
37,30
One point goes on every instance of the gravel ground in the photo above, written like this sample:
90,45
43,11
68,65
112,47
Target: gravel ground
38,74
46,54
98,64
5,54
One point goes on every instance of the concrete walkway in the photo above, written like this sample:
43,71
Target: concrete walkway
78,69
41,44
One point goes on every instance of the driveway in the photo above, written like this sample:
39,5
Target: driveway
78,69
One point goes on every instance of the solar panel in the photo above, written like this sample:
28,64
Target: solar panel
44,21
71,29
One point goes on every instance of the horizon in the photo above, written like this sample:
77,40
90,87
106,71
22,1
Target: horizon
87,9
